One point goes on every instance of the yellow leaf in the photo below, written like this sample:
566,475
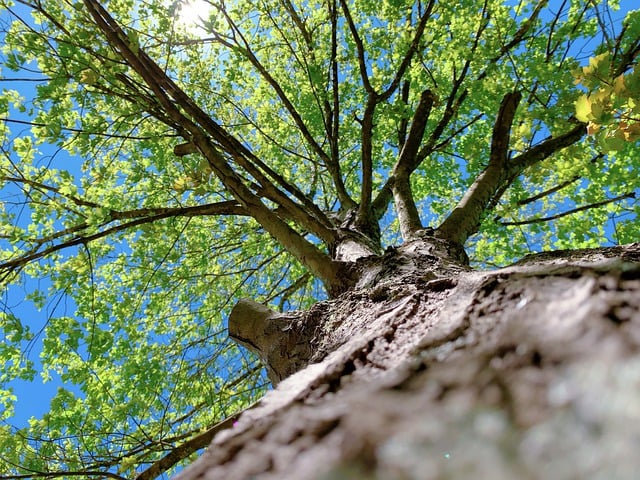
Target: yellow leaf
583,109
603,95
631,131
595,61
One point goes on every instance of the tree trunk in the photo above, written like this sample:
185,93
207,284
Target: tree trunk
429,370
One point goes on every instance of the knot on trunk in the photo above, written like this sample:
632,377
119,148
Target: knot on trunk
282,341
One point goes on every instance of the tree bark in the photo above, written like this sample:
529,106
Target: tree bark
429,370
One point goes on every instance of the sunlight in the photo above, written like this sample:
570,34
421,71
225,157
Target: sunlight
192,13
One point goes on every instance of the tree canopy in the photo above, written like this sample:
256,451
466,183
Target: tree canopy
153,172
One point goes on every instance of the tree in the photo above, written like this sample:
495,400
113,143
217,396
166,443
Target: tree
344,172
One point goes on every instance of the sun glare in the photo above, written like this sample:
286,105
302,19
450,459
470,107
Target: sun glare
192,13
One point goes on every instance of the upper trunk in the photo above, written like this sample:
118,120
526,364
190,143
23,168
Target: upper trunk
429,370
289,341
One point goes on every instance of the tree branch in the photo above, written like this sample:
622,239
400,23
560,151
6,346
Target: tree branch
245,49
189,447
549,191
411,51
334,163
366,190
362,60
137,217
404,121
408,216
518,37
407,160
465,218
569,212
86,132
549,146
200,126
331,113
87,473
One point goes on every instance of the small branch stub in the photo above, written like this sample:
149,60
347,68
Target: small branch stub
282,341
184,149
248,323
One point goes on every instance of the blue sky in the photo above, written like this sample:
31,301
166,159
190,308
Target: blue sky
33,397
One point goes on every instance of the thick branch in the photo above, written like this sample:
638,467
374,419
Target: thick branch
465,218
502,128
404,121
543,150
364,213
407,160
200,126
453,104
408,216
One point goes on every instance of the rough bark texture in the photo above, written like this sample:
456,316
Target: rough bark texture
428,370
